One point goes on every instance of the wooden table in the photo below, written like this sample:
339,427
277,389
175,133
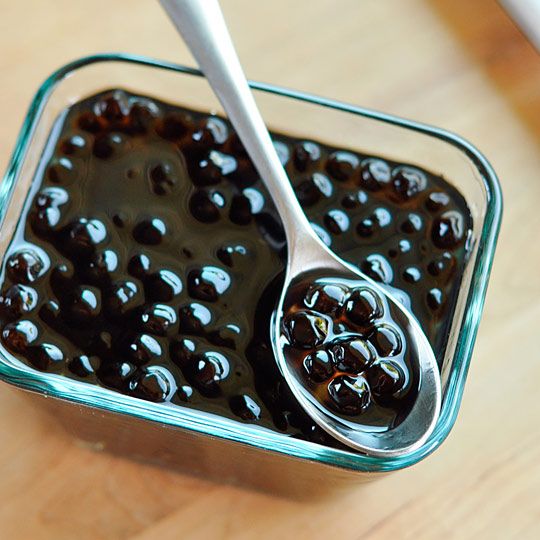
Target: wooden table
454,63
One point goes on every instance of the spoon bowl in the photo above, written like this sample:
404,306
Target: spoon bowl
202,25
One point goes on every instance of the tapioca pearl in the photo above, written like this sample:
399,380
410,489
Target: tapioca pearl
113,107
240,210
349,395
363,307
62,278
442,266
45,356
283,152
120,219
403,246
436,201
139,265
245,407
206,206
407,182
387,340
141,117
217,130
84,366
232,255
150,232
377,220
75,145
342,165
352,355
184,393
123,297
174,126
448,230
336,221
375,174
163,178
155,383
236,145
26,265
378,268
62,171
17,301
412,274
158,319
47,211
18,336
412,223
182,351
226,336
90,122
387,381
49,312
212,168
318,366
271,230
207,370
208,283
82,236
306,154
83,304
435,299
326,298
194,318
141,349
116,375
245,175
305,329
100,266
109,145
354,200
163,286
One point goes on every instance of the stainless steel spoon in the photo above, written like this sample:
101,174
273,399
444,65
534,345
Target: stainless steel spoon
203,27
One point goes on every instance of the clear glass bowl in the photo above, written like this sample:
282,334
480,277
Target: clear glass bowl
157,431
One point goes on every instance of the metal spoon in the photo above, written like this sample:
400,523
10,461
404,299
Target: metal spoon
203,27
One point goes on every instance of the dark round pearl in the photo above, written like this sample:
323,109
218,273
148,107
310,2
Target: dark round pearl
122,298
142,349
245,407
83,235
363,307
194,318
174,126
349,395
45,356
163,178
378,268
139,266
435,299
155,384
47,211
341,165
386,340
163,286
26,265
374,222
150,231
318,366
116,374
17,336
436,201
375,174
326,298
351,355
448,230
232,255
305,329
387,381
62,171
74,145
100,267
407,182
412,274
182,351
207,370
84,304
109,145
305,155
442,266
17,301
158,319
83,365
206,206
240,211
412,223
336,221
208,283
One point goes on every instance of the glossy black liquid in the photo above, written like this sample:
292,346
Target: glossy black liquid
149,256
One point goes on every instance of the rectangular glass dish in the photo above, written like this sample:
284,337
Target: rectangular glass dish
208,444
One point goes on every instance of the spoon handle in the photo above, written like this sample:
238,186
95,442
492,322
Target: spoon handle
203,27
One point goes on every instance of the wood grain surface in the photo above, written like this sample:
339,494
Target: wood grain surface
458,64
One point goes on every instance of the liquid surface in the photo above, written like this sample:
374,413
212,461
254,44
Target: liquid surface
149,256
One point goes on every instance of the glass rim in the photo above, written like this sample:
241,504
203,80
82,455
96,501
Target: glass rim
82,393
